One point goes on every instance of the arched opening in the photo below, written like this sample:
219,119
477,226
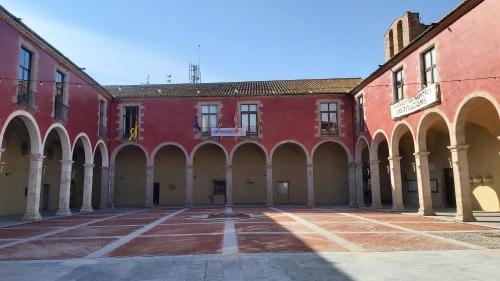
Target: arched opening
77,176
289,174
169,186
403,146
14,167
381,148
331,178
478,125
363,160
249,175
391,43
130,177
434,137
96,179
399,29
56,149
209,175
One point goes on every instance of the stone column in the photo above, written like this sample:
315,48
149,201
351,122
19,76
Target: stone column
462,183
269,184
358,180
396,183
424,183
375,183
65,188
189,185
150,174
111,189
351,167
310,184
87,187
229,185
105,203
33,196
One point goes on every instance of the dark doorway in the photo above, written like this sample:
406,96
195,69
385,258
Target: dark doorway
367,187
283,192
219,189
450,188
156,193
44,205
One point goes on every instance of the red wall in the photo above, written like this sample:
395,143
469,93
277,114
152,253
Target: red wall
468,49
284,118
83,101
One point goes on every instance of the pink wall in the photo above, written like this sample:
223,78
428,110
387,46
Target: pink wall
468,49
83,101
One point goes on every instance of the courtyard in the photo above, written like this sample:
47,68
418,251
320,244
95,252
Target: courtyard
246,243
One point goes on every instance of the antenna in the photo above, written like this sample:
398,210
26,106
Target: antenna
169,78
194,69
147,80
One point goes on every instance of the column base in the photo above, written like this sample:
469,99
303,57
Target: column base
361,205
189,205
426,212
32,217
376,206
229,205
269,204
148,206
311,205
62,213
398,208
464,218
86,209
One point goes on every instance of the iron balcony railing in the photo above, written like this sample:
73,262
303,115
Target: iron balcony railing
25,96
60,111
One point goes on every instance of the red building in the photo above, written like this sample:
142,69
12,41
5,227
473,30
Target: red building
420,132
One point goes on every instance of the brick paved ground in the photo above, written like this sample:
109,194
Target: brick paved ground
167,231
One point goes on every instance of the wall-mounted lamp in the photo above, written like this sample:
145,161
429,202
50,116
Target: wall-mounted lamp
388,169
73,174
414,166
450,162
476,180
44,168
251,181
488,179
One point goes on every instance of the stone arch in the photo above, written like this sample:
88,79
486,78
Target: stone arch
121,146
162,145
290,141
458,133
32,126
87,147
397,133
63,138
104,153
426,121
201,144
359,147
346,149
235,148
378,137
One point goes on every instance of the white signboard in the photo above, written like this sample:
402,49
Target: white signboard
424,98
228,132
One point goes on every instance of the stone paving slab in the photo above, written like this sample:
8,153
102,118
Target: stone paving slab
487,240
19,233
170,245
258,243
186,229
52,249
90,231
436,226
242,227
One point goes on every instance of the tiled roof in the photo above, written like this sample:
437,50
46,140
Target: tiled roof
237,89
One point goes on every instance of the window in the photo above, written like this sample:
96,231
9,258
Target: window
25,96
102,123
249,118
209,116
429,67
329,118
60,108
130,118
361,114
398,85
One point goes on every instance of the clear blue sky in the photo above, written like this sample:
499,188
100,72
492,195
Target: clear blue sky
122,41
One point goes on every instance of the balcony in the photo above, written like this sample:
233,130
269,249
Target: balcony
26,97
60,111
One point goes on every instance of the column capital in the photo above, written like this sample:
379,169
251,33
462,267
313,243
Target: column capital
421,153
37,157
458,147
66,162
88,165
374,162
394,158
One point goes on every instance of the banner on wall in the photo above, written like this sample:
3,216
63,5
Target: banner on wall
228,132
423,99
